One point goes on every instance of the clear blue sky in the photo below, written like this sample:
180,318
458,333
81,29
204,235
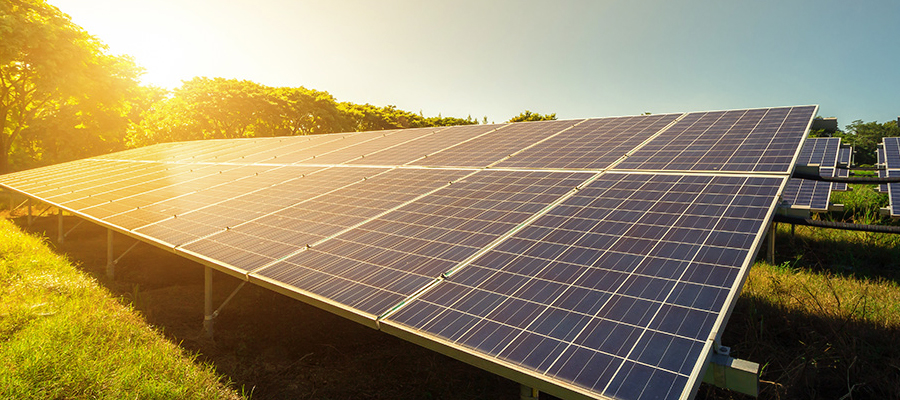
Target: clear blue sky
498,58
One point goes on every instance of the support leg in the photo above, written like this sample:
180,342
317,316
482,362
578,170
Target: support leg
62,233
29,213
771,248
110,262
528,393
207,301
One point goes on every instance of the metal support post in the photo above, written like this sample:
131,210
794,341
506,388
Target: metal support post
110,262
528,393
771,250
207,301
62,233
29,213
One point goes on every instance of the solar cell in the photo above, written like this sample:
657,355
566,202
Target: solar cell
763,140
378,264
594,144
485,150
616,291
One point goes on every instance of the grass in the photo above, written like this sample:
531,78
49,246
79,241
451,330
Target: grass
64,336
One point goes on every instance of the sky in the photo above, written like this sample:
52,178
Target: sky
496,59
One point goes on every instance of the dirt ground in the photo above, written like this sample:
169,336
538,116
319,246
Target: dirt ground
269,345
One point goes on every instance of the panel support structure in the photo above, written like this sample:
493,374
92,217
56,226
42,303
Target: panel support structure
528,393
29,213
62,233
733,374
207,301
770,257
209,316
110,262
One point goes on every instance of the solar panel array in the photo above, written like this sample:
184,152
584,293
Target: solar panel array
889,158
596,258
832,160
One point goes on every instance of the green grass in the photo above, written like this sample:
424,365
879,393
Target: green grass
63,336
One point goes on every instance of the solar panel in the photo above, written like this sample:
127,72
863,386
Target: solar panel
487,149
597,257
891,148
816,195
893,190
413,150
840,186
594,144
378,264
808,194
822,152
269,238
629,276
761,140
845,156
226,206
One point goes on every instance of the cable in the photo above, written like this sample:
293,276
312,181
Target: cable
836,225
873,179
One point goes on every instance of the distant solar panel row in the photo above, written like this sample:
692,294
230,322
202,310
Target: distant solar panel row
599,257
889,157
826,154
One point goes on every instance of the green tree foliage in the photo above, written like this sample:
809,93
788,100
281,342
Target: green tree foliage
865,136
205,108
530,116
61,95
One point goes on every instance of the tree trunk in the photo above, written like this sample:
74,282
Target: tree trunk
4,154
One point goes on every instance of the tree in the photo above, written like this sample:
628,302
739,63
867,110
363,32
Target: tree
307,112
865,136
218,108
530,116
61,95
